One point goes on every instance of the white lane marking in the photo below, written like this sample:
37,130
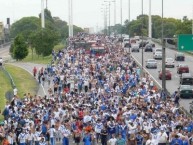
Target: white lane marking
31,74
148,72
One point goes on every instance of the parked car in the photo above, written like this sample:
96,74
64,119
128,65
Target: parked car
151,63
135,48
168,74
182,68
148,48
179,56
1,61
186,91
157,55
186,79
170,62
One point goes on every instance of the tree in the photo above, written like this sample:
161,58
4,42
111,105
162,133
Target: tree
44,41
25,26
20,50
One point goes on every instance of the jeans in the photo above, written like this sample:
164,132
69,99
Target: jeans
52,141
65,141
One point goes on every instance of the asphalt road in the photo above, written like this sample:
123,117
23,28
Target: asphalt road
4,52
173,84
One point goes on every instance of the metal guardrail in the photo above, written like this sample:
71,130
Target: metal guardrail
9,76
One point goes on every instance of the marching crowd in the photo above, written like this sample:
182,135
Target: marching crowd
95,101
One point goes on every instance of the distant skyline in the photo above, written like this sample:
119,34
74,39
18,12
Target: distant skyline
87,13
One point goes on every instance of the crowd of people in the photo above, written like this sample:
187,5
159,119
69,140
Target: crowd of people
95,101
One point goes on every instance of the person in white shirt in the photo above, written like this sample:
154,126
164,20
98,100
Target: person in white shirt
162,137
22,138
66,133
42,141
149,141
30,138
10,138
37,136
52,132
112,141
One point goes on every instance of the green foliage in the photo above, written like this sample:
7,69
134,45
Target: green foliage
25,26
172,26
44,41
19,47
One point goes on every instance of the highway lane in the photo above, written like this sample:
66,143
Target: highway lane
173,84
4,52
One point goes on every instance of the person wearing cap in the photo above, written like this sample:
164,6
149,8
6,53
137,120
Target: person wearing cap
162,137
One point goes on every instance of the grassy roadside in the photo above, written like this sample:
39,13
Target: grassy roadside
33,57
24,81
4,87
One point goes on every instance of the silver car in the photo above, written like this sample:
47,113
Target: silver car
170,62
157,55
135,48
151,63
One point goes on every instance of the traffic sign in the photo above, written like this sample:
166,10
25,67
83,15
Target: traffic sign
185,42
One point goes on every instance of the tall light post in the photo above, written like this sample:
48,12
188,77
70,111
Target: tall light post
109,3
70,12
163,54
121,9
105,18
115,16
150,23
129,13
129,10
42,14
142,34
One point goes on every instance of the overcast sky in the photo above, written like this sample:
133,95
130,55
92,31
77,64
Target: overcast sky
88,13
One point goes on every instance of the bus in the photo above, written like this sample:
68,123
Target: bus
98,50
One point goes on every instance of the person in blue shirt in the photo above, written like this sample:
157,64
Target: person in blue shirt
87,139
139,139
176,141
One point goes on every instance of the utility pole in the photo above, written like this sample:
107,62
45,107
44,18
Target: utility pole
150,22
129,13
46,4
70,12
142,34
121,20
42,14
163,54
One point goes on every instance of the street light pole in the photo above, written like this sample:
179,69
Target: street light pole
70,12
121,20
150,23
163,55
115,16
142,35
42,14
129,10
109,18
